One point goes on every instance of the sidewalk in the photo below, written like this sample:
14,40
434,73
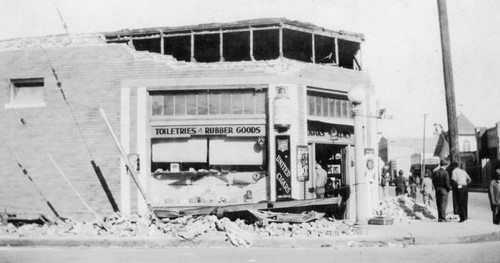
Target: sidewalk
415,232
404,232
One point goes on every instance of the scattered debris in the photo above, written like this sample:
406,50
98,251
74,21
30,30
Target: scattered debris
403,209
239,232
266,217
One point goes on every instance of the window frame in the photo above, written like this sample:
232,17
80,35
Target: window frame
223,111
329,106
19,83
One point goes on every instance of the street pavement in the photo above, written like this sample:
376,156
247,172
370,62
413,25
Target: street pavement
473,252
478,228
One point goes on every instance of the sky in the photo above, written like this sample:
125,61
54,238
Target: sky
402,51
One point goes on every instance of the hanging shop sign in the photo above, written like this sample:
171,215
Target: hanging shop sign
227,130
302,163
283,173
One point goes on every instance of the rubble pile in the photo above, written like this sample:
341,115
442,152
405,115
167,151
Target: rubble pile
238,232
318,228
403,209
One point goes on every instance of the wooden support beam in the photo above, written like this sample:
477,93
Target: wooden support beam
337,51
251,44
162,43
76,192
281,40
221,46
130,167
192,47
313,49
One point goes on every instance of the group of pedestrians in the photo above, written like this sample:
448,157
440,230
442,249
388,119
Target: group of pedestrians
445,178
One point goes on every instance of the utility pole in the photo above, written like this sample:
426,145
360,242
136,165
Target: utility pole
448,82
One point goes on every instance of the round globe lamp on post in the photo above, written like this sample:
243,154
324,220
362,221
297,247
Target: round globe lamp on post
356,97
282,109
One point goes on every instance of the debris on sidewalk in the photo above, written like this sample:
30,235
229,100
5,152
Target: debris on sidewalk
403,209
238,237
238,232
266,217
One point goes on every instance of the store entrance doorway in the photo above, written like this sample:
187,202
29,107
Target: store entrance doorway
332,158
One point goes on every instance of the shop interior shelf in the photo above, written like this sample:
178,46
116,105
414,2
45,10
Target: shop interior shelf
187,174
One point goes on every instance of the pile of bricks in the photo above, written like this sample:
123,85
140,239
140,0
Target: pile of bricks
403,209
239,233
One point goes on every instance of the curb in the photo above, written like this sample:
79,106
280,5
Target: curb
459,240
259,242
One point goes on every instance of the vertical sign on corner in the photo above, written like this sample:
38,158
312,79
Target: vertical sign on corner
283,173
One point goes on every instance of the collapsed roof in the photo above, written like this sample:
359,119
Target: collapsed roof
247,40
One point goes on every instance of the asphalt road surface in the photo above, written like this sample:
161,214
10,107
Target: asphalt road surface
477,252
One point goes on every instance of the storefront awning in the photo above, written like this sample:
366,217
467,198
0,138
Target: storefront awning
322,131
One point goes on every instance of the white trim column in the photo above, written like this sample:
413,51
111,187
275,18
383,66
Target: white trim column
125,141
142,146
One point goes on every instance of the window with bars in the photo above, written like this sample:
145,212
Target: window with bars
216,102
325,106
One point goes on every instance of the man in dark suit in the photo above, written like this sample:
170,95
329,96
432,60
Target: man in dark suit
441,182
400,183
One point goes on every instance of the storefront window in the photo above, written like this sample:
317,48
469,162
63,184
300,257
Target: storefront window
338,110
245,102
202,104
168,104
237,103
311,102
331,104
248,103
326,105
319,106
180,150
191,106
180,104
201,153
225,105
214,104
260,102
157,105
235,151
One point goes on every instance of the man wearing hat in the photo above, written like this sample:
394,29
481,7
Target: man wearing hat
494,195
441,182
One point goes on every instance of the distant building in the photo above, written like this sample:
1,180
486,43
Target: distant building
468,148
397,153
489,151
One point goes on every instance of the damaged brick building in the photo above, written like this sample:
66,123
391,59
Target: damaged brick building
222,113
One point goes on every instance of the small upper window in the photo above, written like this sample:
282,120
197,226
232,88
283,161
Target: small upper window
466,146
26,93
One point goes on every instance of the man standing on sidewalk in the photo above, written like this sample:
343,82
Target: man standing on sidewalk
494,195
461,180
401,182
441,182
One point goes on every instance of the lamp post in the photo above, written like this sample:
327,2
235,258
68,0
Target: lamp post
357,96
